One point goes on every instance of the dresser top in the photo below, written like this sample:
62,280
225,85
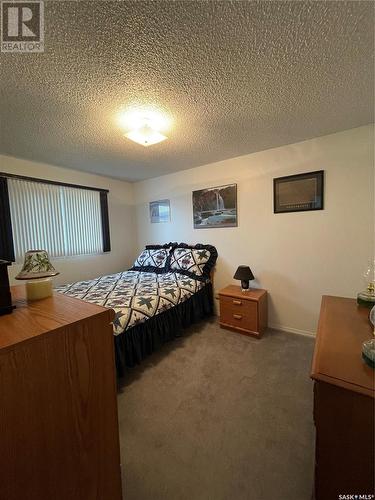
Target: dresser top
235,291
32,319
343,326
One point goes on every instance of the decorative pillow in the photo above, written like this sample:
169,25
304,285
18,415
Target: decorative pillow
195,261
154,258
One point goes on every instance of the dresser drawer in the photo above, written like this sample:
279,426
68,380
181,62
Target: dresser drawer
239,313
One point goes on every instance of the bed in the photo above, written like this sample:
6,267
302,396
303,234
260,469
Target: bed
168,288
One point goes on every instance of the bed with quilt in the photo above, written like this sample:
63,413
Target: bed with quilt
168,288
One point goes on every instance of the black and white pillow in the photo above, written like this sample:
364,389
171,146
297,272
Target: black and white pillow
154,258
194,261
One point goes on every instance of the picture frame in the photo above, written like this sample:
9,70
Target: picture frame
215,207
299,192
160,211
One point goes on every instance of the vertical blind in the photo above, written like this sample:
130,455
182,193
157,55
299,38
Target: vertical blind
63,220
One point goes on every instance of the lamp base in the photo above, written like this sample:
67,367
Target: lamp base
366,298
38,289
245,285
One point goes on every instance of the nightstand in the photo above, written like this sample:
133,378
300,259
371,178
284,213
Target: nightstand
245,312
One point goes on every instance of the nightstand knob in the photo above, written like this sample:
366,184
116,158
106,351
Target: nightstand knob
237,302
237,316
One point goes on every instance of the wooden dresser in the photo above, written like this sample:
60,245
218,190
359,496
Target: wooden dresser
58,415
245,312
343,402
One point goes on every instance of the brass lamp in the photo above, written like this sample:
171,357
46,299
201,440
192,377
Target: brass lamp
37,270
367,297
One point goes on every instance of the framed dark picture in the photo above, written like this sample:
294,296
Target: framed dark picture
215,207
298,193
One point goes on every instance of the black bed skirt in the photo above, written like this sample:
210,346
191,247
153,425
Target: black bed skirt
141,340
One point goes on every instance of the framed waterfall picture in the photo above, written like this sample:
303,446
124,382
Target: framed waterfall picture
160,211
298,193
215,207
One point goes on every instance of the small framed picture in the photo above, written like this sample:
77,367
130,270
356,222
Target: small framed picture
298,193
160,211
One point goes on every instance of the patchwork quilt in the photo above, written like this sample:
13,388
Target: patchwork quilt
135,296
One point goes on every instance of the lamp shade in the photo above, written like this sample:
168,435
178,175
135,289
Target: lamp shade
243,273
36,265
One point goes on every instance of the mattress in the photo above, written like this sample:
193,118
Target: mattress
135,296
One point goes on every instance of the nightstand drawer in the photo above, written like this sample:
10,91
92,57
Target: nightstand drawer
237,304
239,313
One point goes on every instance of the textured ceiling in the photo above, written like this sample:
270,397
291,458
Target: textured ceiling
235,76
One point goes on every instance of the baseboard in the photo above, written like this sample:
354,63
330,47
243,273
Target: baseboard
289,329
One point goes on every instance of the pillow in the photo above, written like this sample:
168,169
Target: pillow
195,261
154,258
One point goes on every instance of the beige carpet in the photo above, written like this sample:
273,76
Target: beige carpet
216,415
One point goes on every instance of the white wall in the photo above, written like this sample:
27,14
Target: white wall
297,257
120,205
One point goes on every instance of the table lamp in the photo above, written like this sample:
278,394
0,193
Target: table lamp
37,270
244,274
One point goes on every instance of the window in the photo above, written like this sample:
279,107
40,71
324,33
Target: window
63,219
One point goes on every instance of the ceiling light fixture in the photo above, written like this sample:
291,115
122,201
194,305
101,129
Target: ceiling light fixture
144,127
146,136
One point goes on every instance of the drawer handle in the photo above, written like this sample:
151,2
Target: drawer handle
237,316
237,302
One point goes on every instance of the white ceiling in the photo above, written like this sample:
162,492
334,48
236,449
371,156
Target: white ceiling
235,76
